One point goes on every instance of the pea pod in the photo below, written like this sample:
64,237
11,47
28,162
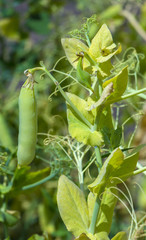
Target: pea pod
27,123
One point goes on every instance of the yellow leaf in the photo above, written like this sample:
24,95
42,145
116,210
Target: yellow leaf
73,47
102,39
72,206
102,46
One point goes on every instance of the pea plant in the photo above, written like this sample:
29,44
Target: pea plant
87,209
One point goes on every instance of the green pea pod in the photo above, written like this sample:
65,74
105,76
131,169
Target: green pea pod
27,123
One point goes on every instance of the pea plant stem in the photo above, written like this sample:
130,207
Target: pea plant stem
66,97
97,201
134,93
94,216
98,157
40,182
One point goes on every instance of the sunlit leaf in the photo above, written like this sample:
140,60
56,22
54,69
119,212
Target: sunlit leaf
114,168
102,235
105,216
120,236
102,47
109,169
72,48
77,128
119,84
72,206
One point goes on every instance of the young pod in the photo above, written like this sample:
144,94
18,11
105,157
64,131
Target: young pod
27,123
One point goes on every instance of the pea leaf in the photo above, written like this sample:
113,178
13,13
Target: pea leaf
119,84
127,167
109,168
102,235
105,216
10,218
97,236
72,47
72,206
37,237
115,138
120,236
23,177
104,220
102,46
77,128
105,69
82,76
114,166
83,236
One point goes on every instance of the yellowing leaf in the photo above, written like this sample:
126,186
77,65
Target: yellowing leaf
105,216
82,106
119,84
109,168
102,39
77,128
102,46
83,236
81,132
72,48
72,206
90,202
102,236
120,236
104,219
114,167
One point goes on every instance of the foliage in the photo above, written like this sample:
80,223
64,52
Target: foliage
89,151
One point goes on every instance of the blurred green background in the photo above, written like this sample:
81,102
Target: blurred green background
31,31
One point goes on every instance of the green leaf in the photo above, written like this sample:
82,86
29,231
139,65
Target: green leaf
119,84
105,69
102,236
24,177
82,76
105,216
127,167
9,28
120,236
116,137
104,220
77,128
108,170
5,189
37,237
10,218
72,48
72,206
114,168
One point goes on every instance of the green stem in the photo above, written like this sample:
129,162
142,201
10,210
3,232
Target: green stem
40,182
128,95
67,98
94,216
97,202
98,157
87,39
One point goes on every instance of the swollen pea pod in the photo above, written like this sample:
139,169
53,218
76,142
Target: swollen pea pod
27,122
